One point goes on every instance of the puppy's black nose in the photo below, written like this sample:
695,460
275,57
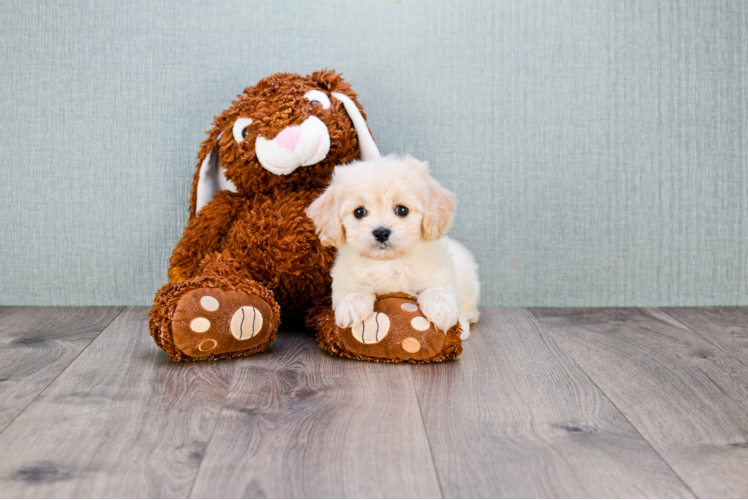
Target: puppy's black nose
381,234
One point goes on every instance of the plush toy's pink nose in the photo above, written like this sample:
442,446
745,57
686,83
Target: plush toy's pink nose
288,138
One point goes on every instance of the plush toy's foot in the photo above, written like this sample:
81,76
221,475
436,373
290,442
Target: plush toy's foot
396,332
209,318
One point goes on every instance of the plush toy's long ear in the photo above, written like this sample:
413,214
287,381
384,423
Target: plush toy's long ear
209,179
324,213
367,148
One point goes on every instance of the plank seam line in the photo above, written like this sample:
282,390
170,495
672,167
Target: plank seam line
121,310
213,431
553,338
707,339
426,432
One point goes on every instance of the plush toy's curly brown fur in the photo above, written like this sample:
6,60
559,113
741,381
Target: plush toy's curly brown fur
259,239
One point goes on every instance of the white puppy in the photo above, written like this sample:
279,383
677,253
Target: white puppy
387,218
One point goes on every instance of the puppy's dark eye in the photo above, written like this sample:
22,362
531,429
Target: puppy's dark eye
401,210
245,131
312,103
359,213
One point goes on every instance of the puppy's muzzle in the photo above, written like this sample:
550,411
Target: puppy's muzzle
381,234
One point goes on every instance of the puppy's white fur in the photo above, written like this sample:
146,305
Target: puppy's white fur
416,259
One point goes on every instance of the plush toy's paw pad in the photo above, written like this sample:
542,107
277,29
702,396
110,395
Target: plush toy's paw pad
246,323
210,322
396,331
372,330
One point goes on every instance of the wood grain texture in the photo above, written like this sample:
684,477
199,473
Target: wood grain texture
725,327
301,423
121,421
687,397
515,417
578,403
36,344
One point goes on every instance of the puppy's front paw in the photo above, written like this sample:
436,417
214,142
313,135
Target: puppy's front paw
465,325
354,308
439,307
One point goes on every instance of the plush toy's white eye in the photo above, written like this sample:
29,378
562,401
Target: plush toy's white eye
240,128
317,96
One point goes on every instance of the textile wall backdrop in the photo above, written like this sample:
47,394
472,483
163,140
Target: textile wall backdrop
598,150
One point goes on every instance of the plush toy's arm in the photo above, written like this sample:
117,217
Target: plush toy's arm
204,234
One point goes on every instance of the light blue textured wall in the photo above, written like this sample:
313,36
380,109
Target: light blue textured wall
599,150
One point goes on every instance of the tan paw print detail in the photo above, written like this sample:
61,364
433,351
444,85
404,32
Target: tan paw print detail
246,323
411,345
420,323
372,330
209,303
207,345
211,321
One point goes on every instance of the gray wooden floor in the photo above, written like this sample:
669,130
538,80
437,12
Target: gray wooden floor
542,403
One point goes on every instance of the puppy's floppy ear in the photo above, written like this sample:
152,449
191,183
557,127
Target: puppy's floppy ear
324,213
438,204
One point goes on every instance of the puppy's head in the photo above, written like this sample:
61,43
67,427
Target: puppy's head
382,208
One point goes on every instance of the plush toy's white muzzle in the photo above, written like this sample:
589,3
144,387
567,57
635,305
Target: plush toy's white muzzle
294,147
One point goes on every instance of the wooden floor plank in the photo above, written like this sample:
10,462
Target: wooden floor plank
514,416
36,344
121,421
301,423
688,398
726,327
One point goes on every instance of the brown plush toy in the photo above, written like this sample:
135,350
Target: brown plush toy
249,250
